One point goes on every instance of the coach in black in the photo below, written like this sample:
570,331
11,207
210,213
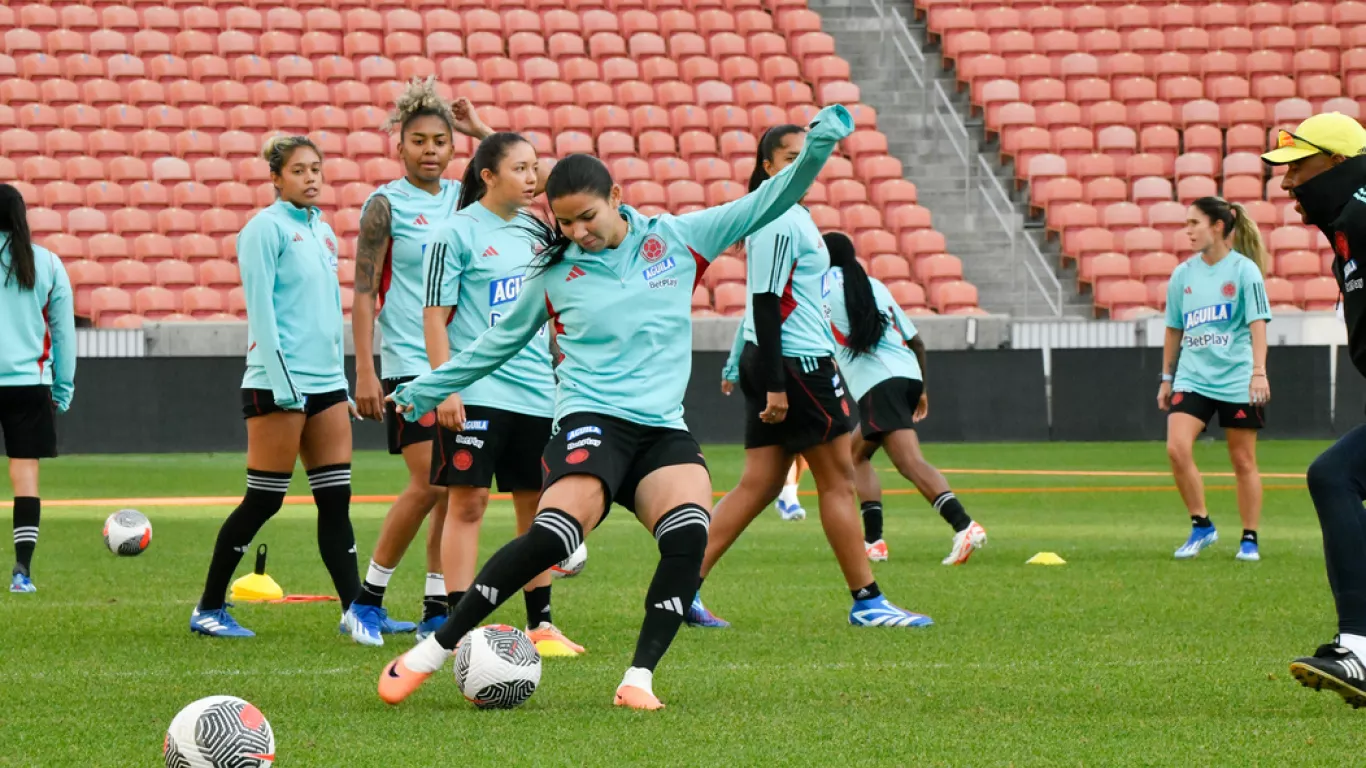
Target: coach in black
1326,174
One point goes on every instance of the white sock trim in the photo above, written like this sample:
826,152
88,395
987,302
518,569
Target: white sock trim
426,656
378,575
1354,643
436,586
789,494
640,677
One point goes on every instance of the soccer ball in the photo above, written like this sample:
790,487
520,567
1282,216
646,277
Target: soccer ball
571,566
219,732
497,667
127,532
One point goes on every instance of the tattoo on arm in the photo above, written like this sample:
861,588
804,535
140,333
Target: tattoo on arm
373,245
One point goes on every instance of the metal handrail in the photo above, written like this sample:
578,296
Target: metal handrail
1036,266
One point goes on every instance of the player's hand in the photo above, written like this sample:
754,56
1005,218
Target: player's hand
451,413
922,409
467,119
1260,389
369,397
1164,396
776,409
399,408
727,387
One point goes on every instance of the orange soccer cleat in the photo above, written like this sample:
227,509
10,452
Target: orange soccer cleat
398,681
637,698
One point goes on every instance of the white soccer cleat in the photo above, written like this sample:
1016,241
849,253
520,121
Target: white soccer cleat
965,542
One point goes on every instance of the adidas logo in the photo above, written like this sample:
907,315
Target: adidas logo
490,251
574,272
1188,290
298,238
420,221
1240,414
490,593
672,604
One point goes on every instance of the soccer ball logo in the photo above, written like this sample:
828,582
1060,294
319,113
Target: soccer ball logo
497,667
220,732
653,248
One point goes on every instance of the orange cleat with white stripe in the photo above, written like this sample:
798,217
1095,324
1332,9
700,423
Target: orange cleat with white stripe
877,551
550,641
637,698
965,542
398,680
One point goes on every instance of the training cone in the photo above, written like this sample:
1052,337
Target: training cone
257,587
1046,558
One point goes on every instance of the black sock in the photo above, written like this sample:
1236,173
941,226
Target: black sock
867,593
27,510
554,535
370,592
949,508
682,537
872,521
336,540
452,599
433,606
1200,522
537,606
1249,536
265,494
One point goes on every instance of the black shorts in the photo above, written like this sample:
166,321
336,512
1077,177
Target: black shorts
889,406
818,409
493,442
403,433
28,419
1231,415
617,452
259,402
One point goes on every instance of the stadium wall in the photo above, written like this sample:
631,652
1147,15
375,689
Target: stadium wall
145,391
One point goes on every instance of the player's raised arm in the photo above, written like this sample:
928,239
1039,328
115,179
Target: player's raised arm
713,230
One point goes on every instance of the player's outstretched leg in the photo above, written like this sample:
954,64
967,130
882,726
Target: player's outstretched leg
264,497
554,535
903,447
540,625
681,534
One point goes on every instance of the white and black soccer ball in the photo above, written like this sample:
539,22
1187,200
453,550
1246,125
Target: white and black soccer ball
497,667
220,732
571,566
127,533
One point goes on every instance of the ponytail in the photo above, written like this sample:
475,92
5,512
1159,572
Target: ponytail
14,222
867,323
769,144
573,175
487,156
1247,239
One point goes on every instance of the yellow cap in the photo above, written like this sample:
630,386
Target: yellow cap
1330,133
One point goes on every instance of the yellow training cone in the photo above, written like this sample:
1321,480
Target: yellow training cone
257,586
1046,558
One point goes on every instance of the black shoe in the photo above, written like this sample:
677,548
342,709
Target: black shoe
1335,668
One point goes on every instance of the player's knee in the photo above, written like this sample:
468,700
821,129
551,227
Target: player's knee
1178,453
466,507
682,532
1244,463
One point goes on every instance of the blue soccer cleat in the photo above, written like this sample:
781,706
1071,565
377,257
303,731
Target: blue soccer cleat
428,627
699,616
1248,552
364,624
1199,539
878,612
791,512
388,626
20,583
217,623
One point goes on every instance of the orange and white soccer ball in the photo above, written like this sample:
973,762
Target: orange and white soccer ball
571,566
497,667
219,732
127,533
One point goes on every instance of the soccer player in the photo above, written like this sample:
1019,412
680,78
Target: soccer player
617,288
294,392
795,399
394,227
1216,321
883,360
1325,161
37,368
474,267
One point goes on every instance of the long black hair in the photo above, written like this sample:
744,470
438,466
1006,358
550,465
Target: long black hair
769,144
573,175
488,155
14,222
867,323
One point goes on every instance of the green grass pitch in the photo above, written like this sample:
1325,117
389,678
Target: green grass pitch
1121,657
